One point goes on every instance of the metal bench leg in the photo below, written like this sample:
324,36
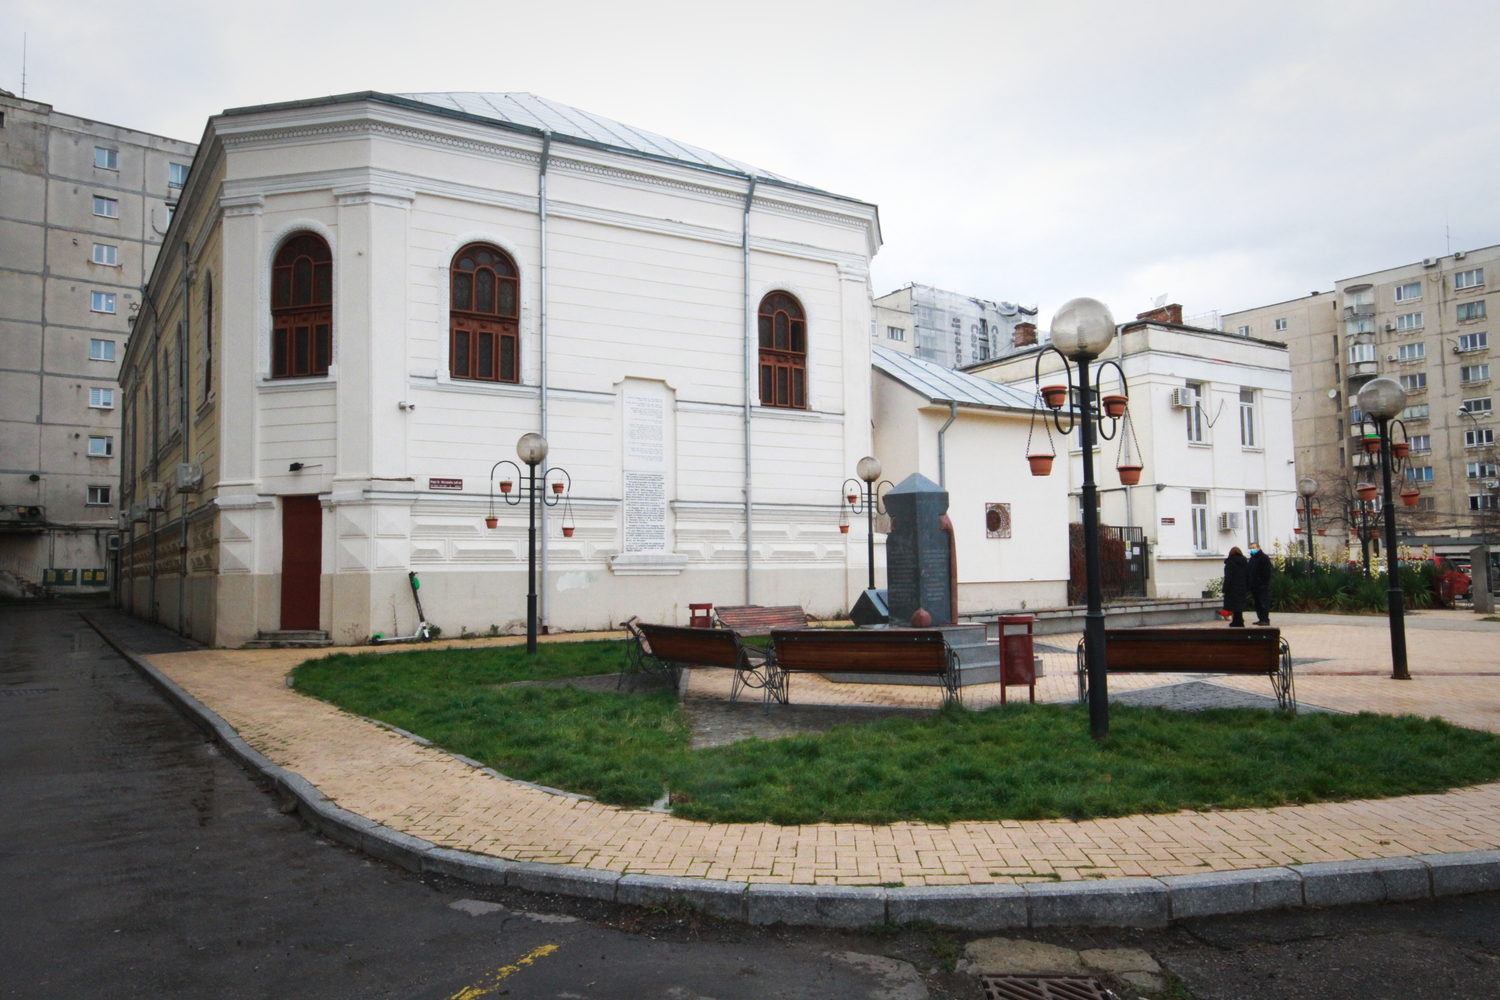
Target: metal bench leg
1083,679
1286,692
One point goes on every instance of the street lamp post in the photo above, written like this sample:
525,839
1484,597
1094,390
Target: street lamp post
532,450
1382,400
868,471
1307,486
1081,331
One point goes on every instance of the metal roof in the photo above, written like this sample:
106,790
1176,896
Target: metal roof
944,385
533,112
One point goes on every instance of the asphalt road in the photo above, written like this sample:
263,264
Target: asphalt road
136,861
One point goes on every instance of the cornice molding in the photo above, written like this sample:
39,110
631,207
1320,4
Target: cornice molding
234,206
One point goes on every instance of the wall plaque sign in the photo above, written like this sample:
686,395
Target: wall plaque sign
645,467
445,484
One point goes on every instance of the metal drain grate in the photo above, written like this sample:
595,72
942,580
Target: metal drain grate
1043,988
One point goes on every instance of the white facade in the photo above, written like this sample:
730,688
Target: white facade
1215,473
649,366
980,459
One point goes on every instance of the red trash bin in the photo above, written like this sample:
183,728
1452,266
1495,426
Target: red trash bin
700,616
1017,653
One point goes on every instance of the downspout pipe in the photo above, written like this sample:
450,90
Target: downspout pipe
541,197
752,363
184,337
943,444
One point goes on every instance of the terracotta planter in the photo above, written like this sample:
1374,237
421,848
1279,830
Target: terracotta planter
1372,445
557,487
492,522
1054,396
1114,406
1322,531
1130,475
1367,491
1400,448
1041,465
853,498
1317,511
844,528
1296,531
1410,497
505,485
568,531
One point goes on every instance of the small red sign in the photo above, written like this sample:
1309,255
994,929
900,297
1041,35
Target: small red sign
445,484
1169,520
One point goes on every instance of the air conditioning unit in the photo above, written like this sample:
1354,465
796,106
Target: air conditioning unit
1229,521
1490,484
156,496
189,477
1390,357
112,542
1429,261
1457,349
1390,328
1460,254
138,512
1184,399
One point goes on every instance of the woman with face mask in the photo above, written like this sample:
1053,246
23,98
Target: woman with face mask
1236,584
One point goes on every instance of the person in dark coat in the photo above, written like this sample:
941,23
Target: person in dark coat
1259,580
1236,571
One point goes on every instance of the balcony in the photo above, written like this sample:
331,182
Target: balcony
1362,369
1361,310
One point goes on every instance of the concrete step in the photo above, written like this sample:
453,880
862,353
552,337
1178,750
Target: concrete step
290,639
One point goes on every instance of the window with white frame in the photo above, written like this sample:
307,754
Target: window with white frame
108,208
101,350
1482,470
1469,279
176,174
1479,437
1475,373
1281,324
1361,325
1414,383
107,255
1482,501
1419,411
106,159
1200,520
1468,312
1411,352
1409,292
1195,422
1419,473
1360,353
895,333
1420,442
98,496
1473,342
103,302
101,447
101,399
1252,518
1409,321
1247,419
1480,406
1243,331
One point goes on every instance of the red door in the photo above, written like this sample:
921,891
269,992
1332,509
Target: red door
301,561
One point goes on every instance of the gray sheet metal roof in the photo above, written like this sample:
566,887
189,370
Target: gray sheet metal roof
531,111
944,385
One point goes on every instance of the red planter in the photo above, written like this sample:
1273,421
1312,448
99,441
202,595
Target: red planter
844,528
1296,531
492,522
568,531
1041,465
505,485
1410,497
1317,511
1322,531
853,498
1372,445
1114,406
1400,449
557,487
1055,396
1366,491
1130,475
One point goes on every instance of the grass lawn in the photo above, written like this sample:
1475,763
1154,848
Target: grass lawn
1020,762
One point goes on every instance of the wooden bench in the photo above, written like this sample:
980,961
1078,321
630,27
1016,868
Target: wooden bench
752,619
864,651
1198,651
666,649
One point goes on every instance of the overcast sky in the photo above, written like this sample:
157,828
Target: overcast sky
1226,154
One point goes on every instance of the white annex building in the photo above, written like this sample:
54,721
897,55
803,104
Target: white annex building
365,300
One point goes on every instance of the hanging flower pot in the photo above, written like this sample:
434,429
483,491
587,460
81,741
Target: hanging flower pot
1400,448
1317,511
492,522
1372,444
1054,396
557,487
505,485
1410,497
853,498
1041,465
568,530
844,528
1366,491
1322,531
1130,475
1114,406
1296,531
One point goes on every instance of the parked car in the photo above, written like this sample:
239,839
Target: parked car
1452,582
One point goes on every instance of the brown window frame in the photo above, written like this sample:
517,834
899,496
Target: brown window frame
782,324
484,315
302,310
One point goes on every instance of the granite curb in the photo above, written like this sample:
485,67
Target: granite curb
1116,902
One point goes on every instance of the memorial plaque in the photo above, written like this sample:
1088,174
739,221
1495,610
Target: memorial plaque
920,570
645,466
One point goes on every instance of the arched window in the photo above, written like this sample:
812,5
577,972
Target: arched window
783,351
482,315
302,308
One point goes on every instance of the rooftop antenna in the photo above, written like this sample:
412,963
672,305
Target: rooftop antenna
1160,300
23,66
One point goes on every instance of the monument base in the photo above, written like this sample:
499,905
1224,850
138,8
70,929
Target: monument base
871,609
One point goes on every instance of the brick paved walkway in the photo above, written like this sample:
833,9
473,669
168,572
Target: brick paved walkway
424,792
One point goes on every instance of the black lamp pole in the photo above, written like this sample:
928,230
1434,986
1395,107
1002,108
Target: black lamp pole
1395,599
869,474
1093,618
532,450
531,560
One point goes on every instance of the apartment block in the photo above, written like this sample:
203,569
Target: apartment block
949,328
83,209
